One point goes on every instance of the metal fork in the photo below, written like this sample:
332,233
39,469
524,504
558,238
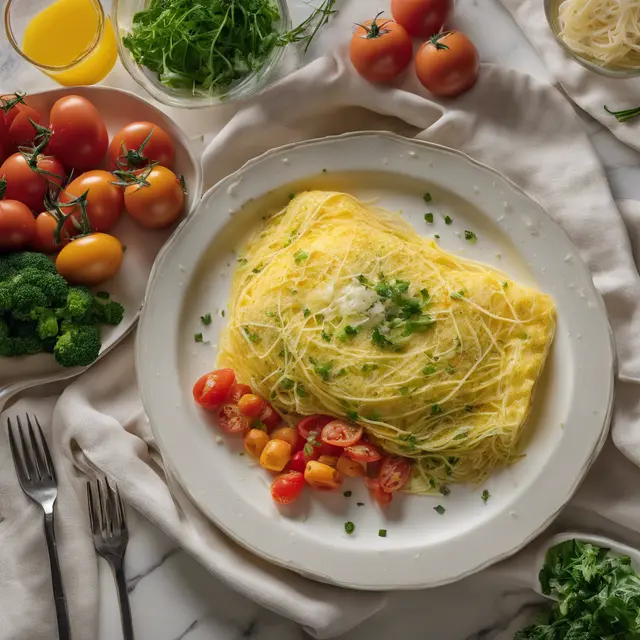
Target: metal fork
110,538
37,478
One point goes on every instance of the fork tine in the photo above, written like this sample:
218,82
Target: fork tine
104,517
112,506
47,455
26,454
17,458
92,510
38,458
121,513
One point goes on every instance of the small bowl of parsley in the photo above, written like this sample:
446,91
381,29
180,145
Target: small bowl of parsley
199,53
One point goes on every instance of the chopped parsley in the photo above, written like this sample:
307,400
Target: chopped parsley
427,197
524,336
287,383
456,295
300,256
349,527
436,236
242,261
382,533
322,370
352,415
359,504
448,219
206,319
449,369
429,370
325,336
366,368
428,217
435,409
468,408
470,236
444,490
253,337
485,496
222,313
198,337
257,269
312,442
292,196
348,332
505,284
409,438
347,494
306,313
439,509
301,391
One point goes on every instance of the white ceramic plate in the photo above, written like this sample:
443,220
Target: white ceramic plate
572,406
117,108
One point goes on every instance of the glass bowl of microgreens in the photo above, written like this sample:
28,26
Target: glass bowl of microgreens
200,53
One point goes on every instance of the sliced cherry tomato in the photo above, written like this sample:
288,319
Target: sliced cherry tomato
377,493
17,226
157,201
422,18
44,239
270,417
350,468
17,119
326,449
105,200
80,138
237,391
394,473
286,488
139,144
251,405
380,50
315,423
231,420
212,389
299,460
29,178
90,260
363,452
341,433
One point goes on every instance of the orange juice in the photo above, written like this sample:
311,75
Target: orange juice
64,32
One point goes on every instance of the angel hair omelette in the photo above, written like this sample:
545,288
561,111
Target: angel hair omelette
341,308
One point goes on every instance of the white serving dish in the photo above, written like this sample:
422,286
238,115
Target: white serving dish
117,108
422,549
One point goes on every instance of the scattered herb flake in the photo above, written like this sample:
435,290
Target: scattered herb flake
470,236
444,490
485,496
382,533
352,415
439,509
427,197
404,391
359,504
366,368
292,196
468,408
349,527
206,319
448,219
436,236
428,217
300,256
306,313
347,494
301,391
222,313
287,383
449,369
429,370
325,336
198,337
456,295
435,409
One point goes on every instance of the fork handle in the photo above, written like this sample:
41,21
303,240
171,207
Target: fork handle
123,599
64,631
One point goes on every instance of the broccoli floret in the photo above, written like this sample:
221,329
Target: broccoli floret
15,262
53,286
108,312
79,346
47,324
5,297
78,306
26,346
25,298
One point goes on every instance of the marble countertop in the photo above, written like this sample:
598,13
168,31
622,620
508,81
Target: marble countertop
173,597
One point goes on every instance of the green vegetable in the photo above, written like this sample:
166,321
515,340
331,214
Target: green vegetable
204,46
625,114
322,370
429,370
306,313
198,337
439,509
435,409
78,347
349,527
206,319
348,332
382,533
448,219
470,236
485,496
347,494
457,295
598,596
427,197
300,256
359,504
428,217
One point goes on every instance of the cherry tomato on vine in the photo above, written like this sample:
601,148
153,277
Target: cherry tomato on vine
380,50
16,118
422,18
139,144
448,64
28,178
212,389
90,260
156,202
105,200
44,239
17,225
79,138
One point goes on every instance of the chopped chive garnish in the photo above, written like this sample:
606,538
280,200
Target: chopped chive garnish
427,197
292,196
349,527
359,504
347,494
444,490
404,391
428,217
198,337
439,509
352,415
436,236
222,313
470,236
429,370
306,313
448,219
435,409
382,533
206,319
485,496
456,295
300,256
468,408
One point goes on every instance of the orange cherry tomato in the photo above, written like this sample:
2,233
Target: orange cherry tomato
105,200
17,226
231,420
275,455
289,435
349,468
212,389
90,260
158,202
448,64
322,476
286,488
422,18
380,50
341,433
44,239
255,441
138,144
237,391
251,405
363,452
394,473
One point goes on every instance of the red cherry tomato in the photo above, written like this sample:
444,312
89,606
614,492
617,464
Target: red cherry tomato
286,488
422,18
17,225
394,473
231,420
299,459
20,131
315,423
237,391
270,417
44,239
105,200
333,450
128,148
376,491
380,50
79,137
341,433
363,452
251,405
212,389
28,183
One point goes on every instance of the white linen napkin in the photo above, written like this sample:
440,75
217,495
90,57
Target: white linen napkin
528,131
588,89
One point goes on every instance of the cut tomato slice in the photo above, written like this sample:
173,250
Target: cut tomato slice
341,433
363,452
315,423
231,420
394,473
376,491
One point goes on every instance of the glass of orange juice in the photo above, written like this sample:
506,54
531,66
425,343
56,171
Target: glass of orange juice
70,40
